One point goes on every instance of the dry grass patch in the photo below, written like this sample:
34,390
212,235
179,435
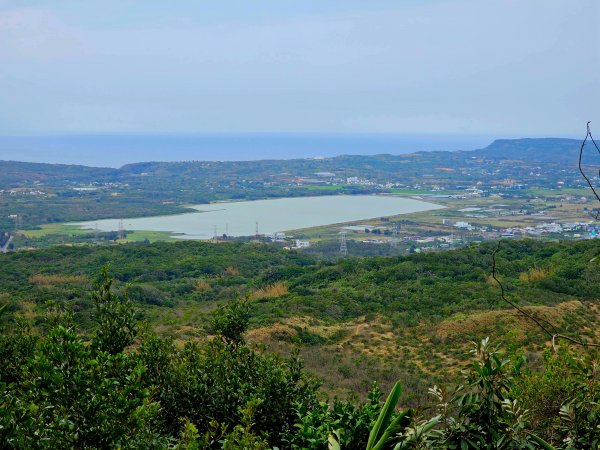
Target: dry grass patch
202,286
42,280
231,271
353,355
534,274
27,310
270,333
371,338
270,291
484,324
289,328
491,281
493,323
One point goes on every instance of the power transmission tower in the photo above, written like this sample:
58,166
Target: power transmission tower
394,241
343,246
18,222
121,230
256,232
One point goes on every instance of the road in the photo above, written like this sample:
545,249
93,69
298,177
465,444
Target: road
6,244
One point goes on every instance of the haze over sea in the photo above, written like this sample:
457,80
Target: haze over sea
115,150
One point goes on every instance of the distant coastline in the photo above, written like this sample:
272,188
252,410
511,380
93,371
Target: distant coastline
116,150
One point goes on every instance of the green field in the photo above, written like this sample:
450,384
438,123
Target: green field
55,228
335,188
421,192
60,233
555,192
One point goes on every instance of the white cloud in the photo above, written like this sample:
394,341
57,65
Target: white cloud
465,65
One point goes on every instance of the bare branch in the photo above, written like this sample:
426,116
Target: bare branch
589,134
539,322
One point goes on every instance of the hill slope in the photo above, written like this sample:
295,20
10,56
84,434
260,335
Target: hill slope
355,320
542,150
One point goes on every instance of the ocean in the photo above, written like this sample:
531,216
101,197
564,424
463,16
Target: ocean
115,150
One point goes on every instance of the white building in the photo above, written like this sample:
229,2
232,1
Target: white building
464,225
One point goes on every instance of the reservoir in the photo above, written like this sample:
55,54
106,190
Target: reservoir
277,215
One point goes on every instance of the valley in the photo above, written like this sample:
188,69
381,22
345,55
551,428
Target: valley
510,188
306,225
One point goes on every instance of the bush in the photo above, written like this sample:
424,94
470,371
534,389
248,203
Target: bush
116,324
230,322
72,396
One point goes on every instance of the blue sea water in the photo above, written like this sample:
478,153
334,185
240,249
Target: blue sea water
115,150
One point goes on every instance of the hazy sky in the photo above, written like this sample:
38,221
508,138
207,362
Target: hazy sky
493,67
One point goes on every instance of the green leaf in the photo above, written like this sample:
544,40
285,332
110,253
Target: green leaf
542,443
384,417
429,425
390,429
334,443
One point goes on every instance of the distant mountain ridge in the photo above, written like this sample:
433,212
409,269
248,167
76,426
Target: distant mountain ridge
553,151
77,193
544,150
16,171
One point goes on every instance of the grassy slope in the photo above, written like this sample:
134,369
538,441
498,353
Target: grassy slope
355,320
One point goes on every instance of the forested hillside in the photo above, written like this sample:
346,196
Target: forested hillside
175,351
353,313
546,150
542,150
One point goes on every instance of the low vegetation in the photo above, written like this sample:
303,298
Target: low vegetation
119,387
352,321
57,279
270,291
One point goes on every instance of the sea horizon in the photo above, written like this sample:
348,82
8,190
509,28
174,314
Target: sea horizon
118,149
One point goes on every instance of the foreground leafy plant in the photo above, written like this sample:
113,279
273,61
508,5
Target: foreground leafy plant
386,424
